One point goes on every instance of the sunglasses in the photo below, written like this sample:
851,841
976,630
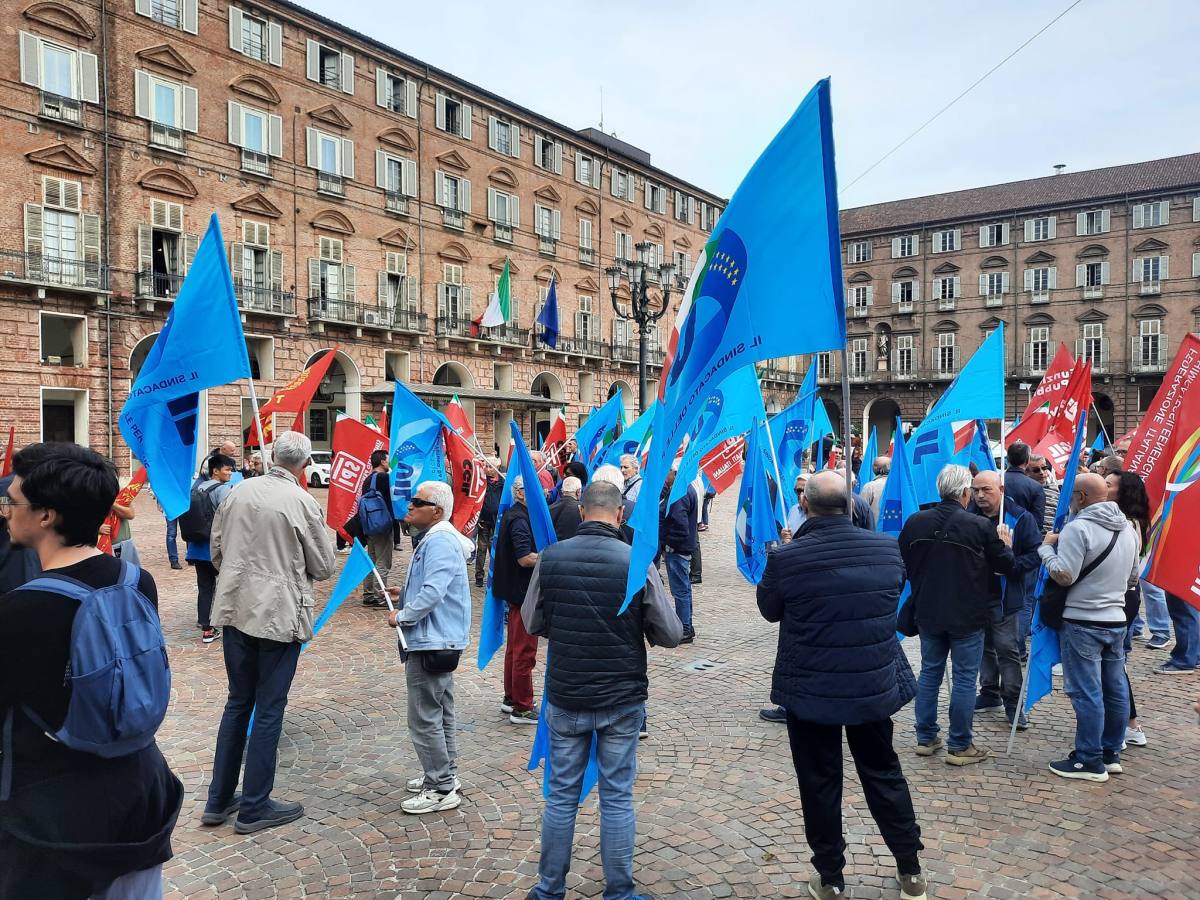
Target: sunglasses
417,502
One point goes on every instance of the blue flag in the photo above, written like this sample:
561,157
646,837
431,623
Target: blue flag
201,346
773,259
1044,649
357,567
548,318
822,427
539,753
866,470
417,452
1098,444
792,429
495,609
757,522
730,411
899,498
631,440
599,430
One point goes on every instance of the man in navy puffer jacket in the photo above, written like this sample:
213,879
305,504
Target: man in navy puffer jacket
834,591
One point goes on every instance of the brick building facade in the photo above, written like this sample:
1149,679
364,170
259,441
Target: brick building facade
366,198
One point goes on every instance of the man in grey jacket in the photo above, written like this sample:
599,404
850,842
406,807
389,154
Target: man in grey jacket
434,612
1093,630
269,544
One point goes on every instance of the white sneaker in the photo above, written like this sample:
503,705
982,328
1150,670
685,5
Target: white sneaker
1135,736
416,785
431,801
1056,668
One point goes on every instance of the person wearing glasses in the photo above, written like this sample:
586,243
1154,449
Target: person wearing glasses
795,516
1019,485
269,544
1041,470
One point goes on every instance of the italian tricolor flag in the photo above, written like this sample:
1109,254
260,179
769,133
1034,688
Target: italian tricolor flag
499,303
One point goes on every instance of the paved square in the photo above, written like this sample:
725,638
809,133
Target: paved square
718,812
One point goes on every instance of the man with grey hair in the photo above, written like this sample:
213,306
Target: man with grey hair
434,612
269,544
564,512
873,489
951,556
631,471
511,568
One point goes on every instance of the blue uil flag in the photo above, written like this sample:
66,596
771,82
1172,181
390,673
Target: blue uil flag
757,523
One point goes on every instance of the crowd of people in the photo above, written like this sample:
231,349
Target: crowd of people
80,820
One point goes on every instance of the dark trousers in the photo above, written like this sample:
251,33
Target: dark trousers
696,573
1000,672
817,756
260,674
483,546
206,586
172,542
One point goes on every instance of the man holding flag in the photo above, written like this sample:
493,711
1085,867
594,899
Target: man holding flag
513,565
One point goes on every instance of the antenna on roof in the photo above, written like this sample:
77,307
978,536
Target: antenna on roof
602,107
1058,168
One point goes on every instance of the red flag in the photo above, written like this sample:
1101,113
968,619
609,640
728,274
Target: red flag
295,396
1035,421
6,468
1151,451
1057,449
963,436
383,422
468,479
353,444
723,464
555,448
458,418
124,498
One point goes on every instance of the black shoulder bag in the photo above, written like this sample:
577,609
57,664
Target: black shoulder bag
1053,602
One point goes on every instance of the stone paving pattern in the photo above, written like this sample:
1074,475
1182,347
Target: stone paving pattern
717,805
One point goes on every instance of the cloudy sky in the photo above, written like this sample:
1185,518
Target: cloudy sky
704,85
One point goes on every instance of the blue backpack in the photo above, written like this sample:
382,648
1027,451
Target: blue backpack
374,513
118,671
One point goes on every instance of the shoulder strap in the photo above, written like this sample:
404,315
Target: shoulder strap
63,585
130,574
1091,567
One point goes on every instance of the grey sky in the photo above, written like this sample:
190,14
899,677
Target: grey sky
703,86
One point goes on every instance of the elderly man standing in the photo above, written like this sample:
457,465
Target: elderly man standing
873,489
1096,556
1000,672
951,556
512,567
631,471
564,512
834,590
269,544
434,612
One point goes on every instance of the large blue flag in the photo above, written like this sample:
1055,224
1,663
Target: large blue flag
773,259
599,430
201,346
976,393
417,452
792,428
1044,650
729,412
631,440
866,471
548,318
495,609
899,498
757,522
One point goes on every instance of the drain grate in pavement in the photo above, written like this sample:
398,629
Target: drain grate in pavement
701,665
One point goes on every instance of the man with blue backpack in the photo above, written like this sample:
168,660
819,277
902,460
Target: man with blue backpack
196,527
87,802
375,521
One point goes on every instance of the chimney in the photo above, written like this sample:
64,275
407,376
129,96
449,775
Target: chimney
1058,168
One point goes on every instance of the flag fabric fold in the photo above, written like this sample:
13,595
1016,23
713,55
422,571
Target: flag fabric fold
456,413
1034,423
468,480
599,430
499,303
357,568
293,397
867,468
732,410
125,497
548,318
898,500
758,522
792,428
353,444
200,346
415,445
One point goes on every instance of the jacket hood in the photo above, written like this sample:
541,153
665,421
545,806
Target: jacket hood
465,545
1106,514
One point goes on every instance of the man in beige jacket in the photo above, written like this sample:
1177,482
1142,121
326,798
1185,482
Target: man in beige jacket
269,544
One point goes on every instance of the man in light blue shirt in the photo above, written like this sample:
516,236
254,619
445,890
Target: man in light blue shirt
796,515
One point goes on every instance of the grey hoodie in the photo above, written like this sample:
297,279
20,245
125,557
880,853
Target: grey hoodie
1101,596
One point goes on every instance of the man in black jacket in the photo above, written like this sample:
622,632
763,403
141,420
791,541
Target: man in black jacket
382,546
1020,487
487,520
677,533
595,683
564,512
951,556
834,590
516,555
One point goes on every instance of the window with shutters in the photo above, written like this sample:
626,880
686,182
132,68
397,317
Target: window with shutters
860,299
59,71
709,215
1151,215
1149,272
503,212
164,251
453,195
547,224
858,358
946,353
254,37
1092,277
329,67
587,169
1040,228
685,208
171,109
623,246
824,366
683,268
584,330
332,157
1038,352
655,197
904,294
993,235
504,137
1149,347
993,286
946,291
258,134
330,282
586,250
1094,221
453,116
622,184
398,295
253,272
1039,282
858,251
166,12
396,93
904,246
66,77
454,305
947,240
902,360
547,153
1092,344
60,243
181,14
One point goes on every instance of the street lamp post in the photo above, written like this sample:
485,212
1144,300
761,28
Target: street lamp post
643,309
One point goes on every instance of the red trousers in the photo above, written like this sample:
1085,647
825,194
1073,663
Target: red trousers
520,656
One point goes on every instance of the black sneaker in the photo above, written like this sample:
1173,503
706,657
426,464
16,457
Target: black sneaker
1022,722
983,701
274,813
176,564
689,635
775,714
374,602
1073,768
218,813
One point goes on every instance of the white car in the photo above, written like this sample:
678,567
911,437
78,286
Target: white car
318,470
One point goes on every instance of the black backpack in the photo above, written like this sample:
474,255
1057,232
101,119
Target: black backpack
196,524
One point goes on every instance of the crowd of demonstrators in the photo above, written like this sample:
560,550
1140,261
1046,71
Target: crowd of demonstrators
833,590
516,556
596,684
564,512
573,469
379,537
678,540
487,519
434,613
74,824
951,557
1096,557
1020,487
873,489
269,545
207,495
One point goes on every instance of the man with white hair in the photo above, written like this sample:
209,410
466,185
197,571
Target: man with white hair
269,544
873,489
434,612
564,512
631,472
515,557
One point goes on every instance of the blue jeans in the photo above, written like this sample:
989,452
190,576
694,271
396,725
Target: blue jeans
967,652
1154,613
1186,652
260,675
679,577
616,730
172,546
1093,661
704,509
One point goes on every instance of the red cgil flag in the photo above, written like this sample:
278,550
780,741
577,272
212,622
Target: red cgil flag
723,464
468,478
555,448
1035,422
353,444
124,498
295,396
457,416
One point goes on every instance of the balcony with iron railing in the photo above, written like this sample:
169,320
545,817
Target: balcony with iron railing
547,246
858,370
502,232
1148,353
508,334
1150,286
453,326
905,307
582,346
945,362
365,315
395,202
61,109
1095,350
1035,359
266,301
903,366
624,352
333,185
255,163
39,269
157,285
1036,297
783,376
860,311
167,137
1093,292
452,218
945,304
993,299
587,256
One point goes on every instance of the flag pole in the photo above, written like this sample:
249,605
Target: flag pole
263,447
1003,463
846,431
1019,711
388,598
1099,421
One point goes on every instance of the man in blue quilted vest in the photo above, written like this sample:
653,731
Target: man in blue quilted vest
833,590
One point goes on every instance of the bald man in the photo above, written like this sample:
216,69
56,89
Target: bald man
1000,672
873,489
1095,556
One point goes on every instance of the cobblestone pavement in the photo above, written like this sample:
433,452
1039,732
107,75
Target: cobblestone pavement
717,806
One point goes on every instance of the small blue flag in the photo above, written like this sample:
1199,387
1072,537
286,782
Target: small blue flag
1099,444
548,318
417,452
358,566
822,427
730,411
792,428
599,430
866,471
757,522
631,440
899,498
201,346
